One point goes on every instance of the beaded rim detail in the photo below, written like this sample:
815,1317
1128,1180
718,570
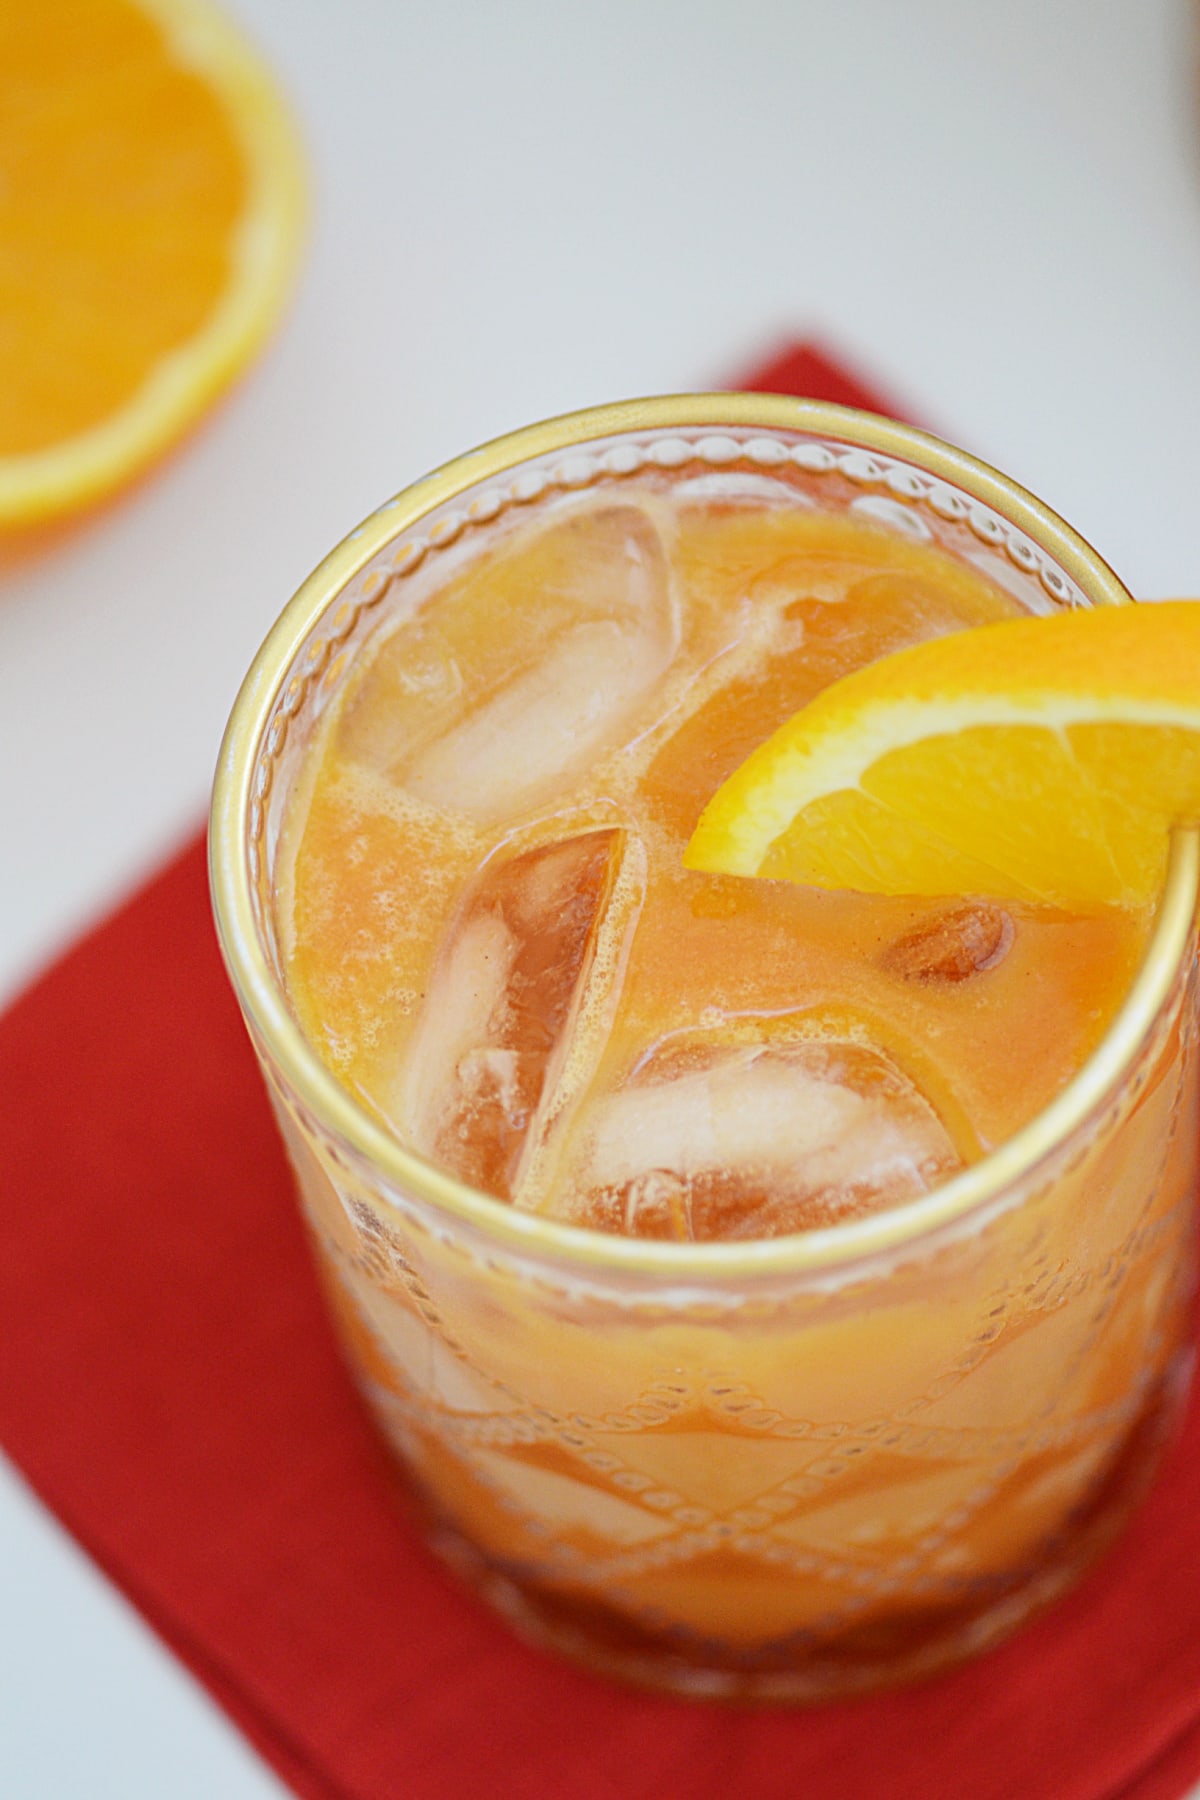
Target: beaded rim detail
897,480
871,452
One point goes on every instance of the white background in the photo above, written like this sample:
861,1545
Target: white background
523,208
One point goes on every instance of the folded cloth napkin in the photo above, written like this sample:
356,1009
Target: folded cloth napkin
169,1385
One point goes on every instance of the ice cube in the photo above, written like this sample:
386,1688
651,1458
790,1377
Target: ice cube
952,944
496,1018
531,662
755,1140
545,723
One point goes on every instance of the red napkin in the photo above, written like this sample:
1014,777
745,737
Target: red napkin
169,1385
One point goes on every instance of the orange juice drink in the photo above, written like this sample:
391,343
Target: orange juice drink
770,1292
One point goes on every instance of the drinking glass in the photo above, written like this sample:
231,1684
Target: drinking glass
782,1470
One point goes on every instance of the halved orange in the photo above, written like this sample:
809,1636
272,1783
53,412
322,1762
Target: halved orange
1039,759
151,203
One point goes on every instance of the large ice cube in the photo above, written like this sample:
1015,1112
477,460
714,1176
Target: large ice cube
755,1140
547,721
529,664
497,1017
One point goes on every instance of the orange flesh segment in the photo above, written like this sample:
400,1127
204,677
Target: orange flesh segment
150,201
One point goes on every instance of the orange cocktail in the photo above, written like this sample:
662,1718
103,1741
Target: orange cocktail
667,1217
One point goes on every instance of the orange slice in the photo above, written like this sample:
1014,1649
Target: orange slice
1038,759
151,201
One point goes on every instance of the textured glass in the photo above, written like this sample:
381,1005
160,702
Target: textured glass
757,1478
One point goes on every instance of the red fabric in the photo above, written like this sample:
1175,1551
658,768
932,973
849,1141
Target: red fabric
169,1385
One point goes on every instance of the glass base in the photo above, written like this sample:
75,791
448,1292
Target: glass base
869,1655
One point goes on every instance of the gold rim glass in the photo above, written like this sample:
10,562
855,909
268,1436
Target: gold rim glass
896,466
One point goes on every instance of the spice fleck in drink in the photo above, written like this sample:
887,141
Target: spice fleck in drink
860,1448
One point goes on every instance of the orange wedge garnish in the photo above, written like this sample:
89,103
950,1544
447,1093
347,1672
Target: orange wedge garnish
1040,759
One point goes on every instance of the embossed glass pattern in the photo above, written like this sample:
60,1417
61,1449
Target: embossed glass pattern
781,1470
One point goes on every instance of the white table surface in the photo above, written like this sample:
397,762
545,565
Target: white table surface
521,209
